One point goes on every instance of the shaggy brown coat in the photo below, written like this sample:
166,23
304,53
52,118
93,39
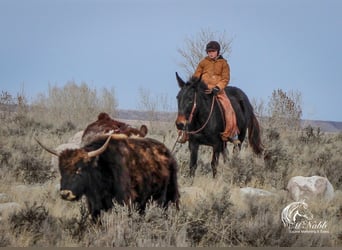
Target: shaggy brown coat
129,171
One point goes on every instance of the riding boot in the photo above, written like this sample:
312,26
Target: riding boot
234,139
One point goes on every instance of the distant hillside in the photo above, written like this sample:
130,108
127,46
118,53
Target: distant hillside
325,126
145,115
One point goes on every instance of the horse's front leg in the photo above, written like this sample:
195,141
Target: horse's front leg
214,161
193,147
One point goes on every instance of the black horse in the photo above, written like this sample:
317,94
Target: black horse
201,120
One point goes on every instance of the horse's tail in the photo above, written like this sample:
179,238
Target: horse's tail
254,135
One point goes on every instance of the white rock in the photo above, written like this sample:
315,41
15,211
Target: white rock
310,188
249,191
242,198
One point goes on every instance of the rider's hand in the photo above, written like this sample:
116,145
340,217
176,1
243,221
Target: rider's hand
214,91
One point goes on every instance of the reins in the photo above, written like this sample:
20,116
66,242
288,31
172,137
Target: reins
206,122
174,145
191,116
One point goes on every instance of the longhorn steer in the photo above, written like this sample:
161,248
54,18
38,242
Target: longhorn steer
105,124
126,170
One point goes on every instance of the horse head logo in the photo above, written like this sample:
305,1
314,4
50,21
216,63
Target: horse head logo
294,212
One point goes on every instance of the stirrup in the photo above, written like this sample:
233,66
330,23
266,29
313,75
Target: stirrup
236,142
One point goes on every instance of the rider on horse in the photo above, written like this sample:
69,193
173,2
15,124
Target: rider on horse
215,72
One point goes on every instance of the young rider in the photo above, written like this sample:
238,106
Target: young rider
215,72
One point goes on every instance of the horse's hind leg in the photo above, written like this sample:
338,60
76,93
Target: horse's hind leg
214,162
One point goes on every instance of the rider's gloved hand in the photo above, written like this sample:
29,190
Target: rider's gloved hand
213,91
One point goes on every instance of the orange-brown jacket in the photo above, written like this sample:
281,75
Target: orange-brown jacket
215,72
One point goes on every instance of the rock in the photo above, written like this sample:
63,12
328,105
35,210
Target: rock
244,199
310,188
249,191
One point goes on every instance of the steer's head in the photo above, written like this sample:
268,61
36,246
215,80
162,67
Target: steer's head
76,167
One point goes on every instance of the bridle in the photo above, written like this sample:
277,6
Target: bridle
192,114
194,106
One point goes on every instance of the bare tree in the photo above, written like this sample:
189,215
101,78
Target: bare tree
148,103
285,109
194,49
76,103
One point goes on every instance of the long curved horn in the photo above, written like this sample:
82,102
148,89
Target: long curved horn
99,150
47,149
119,136
105,145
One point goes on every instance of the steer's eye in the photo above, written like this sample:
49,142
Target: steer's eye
78,171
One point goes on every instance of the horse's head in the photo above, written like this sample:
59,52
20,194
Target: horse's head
187,101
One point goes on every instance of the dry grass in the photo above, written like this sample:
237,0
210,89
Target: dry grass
212,213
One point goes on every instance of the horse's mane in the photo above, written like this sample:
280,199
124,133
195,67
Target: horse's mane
197,83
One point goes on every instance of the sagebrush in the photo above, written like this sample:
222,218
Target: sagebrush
212,213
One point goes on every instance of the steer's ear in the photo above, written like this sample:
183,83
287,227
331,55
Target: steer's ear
180,81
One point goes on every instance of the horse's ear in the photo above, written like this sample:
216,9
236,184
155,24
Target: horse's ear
180,81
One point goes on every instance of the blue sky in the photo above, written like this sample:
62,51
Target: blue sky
131,44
